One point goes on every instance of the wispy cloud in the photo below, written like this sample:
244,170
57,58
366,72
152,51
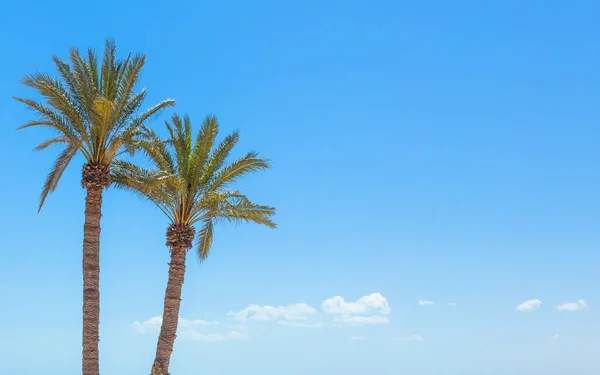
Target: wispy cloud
414,338
154,323
366,310
299,311
572,306
190,329
556,337
530,305
452,304
426,303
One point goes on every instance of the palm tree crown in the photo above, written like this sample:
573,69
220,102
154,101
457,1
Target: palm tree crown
190,182
93,109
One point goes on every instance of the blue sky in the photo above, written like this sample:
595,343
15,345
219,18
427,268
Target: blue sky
422,151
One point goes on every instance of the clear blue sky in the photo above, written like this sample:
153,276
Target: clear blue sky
437,151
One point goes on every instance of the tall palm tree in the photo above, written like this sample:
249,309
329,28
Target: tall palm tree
190,184
93,110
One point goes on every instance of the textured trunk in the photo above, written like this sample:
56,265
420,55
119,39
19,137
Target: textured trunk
168,330
91,276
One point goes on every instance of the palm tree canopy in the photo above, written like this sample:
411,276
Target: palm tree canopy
92,108
190,181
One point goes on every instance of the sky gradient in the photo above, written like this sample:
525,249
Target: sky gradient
435,172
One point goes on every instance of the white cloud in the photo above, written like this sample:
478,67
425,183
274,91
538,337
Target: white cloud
556,337
452,304
425,303
238,328
373,303
528,306
301,324
572,306
299,311
366,310
357,338
154,323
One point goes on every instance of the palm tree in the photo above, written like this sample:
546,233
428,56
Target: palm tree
189,183
93,110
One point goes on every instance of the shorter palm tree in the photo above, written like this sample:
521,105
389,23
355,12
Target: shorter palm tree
190,184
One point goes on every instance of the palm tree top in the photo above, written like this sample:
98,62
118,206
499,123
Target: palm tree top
92,107
190,180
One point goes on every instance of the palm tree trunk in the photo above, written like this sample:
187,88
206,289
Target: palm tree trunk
91,278
168,330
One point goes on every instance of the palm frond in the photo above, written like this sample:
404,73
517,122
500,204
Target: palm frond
92,66
49,118
52,141
84,82
146,115
244,165
151,185
247,212
204,239
59,167
178,138
70,80
57,97
204,142
108,70
236,207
